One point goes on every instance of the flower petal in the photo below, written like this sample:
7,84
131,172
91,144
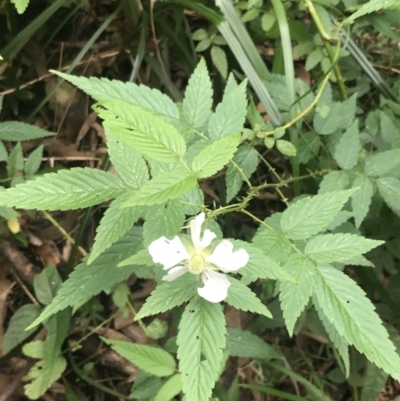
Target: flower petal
168,252
175,272
206,240
195,230
215,286
226,260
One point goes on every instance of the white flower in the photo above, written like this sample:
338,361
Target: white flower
179,260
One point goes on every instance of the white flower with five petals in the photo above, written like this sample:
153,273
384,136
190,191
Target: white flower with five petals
197,259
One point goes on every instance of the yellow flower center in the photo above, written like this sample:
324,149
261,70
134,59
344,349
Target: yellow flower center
196,264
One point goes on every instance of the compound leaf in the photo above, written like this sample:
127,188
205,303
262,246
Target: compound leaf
389,188
201,340
338,247
65,190
361,200
310,215
354,317
294,296
346,151
215,156
17,131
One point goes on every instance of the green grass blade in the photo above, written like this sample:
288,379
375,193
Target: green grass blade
269,390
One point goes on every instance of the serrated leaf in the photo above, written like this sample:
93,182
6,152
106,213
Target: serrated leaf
272,241
166,186
389,188
8,213
309,145
242,298
382,163
294,296
198,97
129,163
101,275
200,340
34,161
390,133
374,5
348,111
42,375
168,295
338,341
163,220
46,284
203,45
17,131
145,386
244,344
310,215
215,156
145,132
200,34
151,359
65,190
361,200
374,381
114,224
346,151
245,163
354,317
218,57
229,116
138,95
141,258
313,59
260,265
171,388
338,247
334,181
330,123
19,321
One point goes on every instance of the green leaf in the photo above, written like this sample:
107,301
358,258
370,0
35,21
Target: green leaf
19,321
294,296
163,220
230,114
168,295
389,188
20,5
215,156
346,151
338,341
338,247
114,224
34,161
310,215
142,258
129,163
348,111
15,161
46,285
361,200
330,123
17,131
242,298
8,213
198,97
101,275
313,59
203,45
260,265
145,386
57,327
374,381
334,181
171,388
218,57
200,34
200,340
382,163
390,133
143,131
151,359
139,95
267,21
166,186
286,148
244,163
67,189
354,317
374,5
3,152
42,374
271,240
244,344
309,145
